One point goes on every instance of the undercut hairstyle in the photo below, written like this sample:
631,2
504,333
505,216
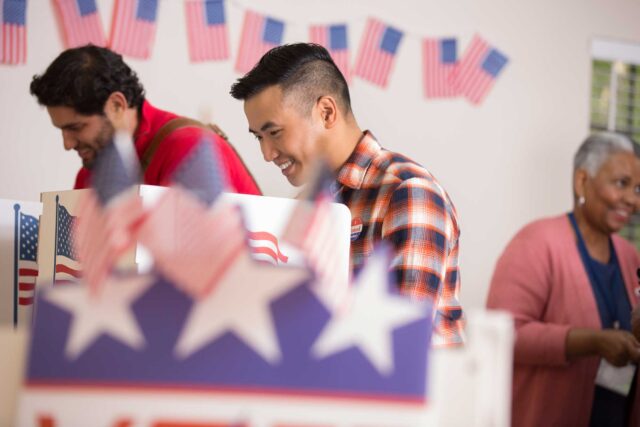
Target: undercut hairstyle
304,71
598,147
83,78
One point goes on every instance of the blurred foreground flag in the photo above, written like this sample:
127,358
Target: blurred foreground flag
108,215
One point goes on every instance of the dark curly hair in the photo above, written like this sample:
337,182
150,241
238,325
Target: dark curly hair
83,78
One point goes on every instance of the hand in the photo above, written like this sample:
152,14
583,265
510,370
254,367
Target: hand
635,322
618,347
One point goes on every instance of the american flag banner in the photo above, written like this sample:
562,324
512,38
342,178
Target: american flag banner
80,23
265,247
13,37
25,264
439,60
310,228
334,39
207,30
133,29
261,349
67,268
259,34
478,70
377,52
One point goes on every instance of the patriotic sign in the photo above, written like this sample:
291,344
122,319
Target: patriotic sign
80,22
439,60
19,229
259,34
334,39
134,27
478,70
67,268
206,30
13,37
377,52
265,247
261,349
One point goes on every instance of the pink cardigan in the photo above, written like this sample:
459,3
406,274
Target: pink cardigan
541,280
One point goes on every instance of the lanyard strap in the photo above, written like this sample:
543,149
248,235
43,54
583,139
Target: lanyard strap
604,290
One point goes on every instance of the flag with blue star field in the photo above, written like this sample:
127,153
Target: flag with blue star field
260,349
19,229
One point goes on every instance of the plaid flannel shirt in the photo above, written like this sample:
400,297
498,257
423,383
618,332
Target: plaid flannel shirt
400,202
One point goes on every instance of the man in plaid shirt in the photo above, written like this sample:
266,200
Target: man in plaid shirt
298,106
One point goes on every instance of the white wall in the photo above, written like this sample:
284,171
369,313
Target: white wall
504,163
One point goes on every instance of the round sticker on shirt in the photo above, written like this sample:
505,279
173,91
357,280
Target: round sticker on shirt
356,228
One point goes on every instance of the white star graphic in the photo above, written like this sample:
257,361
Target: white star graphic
107,313
369,321
239,303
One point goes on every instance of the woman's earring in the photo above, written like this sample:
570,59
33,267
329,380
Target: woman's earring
581,200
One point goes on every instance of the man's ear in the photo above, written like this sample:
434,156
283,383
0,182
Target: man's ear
116,104
328,110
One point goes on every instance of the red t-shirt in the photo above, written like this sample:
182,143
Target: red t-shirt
173,150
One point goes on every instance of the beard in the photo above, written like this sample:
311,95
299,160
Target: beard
102,139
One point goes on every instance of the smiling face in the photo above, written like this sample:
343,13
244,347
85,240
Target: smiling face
613,194
85,134
288,137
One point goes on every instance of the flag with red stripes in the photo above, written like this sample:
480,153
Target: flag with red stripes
80,23
377,53
334,39
27,266
478,70
13,37
133,29
206,30
310,230
259,34
439,60
265,247
67,267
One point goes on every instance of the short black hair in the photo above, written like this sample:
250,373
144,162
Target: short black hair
83,78
307,67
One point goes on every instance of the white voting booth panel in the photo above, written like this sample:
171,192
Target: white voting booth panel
262,215
18,266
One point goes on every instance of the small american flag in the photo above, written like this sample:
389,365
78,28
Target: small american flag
439,59
334,39
80,22
207,30
174,229
478,70
13,37
377,52
265,247
110,212
310,230
26,263
134,27
259,34
67,267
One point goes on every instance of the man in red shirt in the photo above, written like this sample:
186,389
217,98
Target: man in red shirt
90,92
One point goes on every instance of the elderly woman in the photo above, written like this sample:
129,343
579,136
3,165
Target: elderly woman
570,283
